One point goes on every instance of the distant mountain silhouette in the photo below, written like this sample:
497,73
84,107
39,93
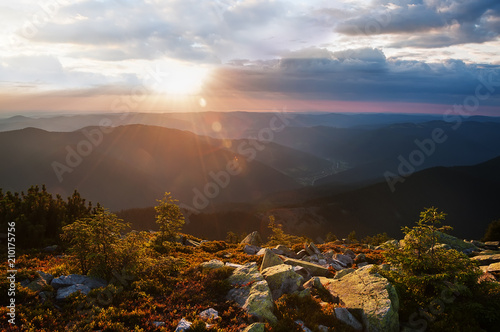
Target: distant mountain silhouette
132,166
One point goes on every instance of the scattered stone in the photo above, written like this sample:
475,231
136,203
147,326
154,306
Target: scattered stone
314,249
370,292
362,264
344,259
322,328
270,259
276,251
314,269
492,245
441,246
261,252
282,279
494,268
210,313
303,272
301,254
486,259
64,292
302,326
183,325
212,264
252,239
251,249
233,265
345,316
255,327
360,258
158,324
342,273
308,250
192,243
336,265
286,251
350,253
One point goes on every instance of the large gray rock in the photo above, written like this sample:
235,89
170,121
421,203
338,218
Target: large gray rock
270,259
75,279
253,293
345,316
45,276
64,292
344,259
251,249
282,279
370,292
245,274
183,325
314,269
253,239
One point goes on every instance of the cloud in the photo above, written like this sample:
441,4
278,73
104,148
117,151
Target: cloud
357,75
428,23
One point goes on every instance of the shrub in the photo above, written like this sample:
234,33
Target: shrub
493,231
279,236
169,217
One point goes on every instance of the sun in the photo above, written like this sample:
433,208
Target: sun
179,79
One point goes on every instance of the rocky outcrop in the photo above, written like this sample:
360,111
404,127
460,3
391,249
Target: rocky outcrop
67,285
487,259
64,292
183,325
252,292
212,264
371,293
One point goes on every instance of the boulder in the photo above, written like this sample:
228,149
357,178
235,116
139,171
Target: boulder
252,239
210,313
251,249
260,302
336,265
75,279
270,259
350,253
360,258
233,265
255,327
212,264
314,249
344,259
492,245
301,254
245,274
253,293
494,268
303,272
371,293
314,269
261,252
183,325
286,251
486,259
64,292
345,316
282,279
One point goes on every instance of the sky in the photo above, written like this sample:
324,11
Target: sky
430,56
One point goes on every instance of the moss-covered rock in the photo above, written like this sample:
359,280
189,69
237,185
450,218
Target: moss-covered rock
370,292
282,279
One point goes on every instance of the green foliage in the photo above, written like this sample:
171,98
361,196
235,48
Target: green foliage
352,237
377,239
39,215
493,231
424,273
95,242
278,236
330,237
234,238
213,246
169,217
